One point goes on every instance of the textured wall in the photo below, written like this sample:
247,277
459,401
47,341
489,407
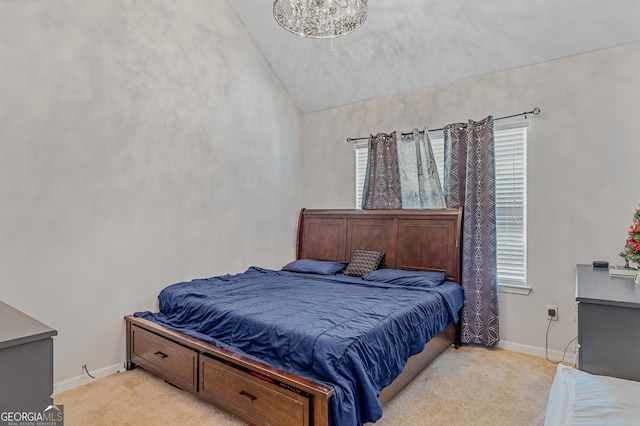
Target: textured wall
141,143
583,181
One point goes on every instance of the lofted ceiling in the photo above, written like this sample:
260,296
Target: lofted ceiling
409,44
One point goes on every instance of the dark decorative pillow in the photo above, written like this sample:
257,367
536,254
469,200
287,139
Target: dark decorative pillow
362,262
310,266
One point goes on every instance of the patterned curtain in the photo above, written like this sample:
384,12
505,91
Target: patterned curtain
419,180
401,174
469,182
382,179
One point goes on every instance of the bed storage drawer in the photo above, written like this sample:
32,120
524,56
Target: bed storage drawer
173,362
258,401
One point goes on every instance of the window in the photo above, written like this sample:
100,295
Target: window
361,169
511,189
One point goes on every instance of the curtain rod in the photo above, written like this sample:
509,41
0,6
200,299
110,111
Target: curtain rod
535,111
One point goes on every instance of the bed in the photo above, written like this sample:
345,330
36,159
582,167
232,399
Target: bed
580,398
313,348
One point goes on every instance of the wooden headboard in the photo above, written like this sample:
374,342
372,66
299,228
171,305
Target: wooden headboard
417,240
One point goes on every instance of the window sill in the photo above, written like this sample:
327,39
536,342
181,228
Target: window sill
514,289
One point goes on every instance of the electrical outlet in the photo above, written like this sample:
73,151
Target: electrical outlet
552,312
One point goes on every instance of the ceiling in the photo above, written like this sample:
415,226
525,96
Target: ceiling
409,44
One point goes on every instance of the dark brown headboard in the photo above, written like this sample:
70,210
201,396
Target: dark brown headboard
418,240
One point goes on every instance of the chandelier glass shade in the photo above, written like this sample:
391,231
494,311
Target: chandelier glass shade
320,18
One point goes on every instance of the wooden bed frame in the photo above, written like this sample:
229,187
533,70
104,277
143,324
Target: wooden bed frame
261,394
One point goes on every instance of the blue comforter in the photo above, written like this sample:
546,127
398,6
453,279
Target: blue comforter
345,332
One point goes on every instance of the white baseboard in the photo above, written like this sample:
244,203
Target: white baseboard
553,355
84,378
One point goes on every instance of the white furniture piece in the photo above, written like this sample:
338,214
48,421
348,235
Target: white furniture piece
580,398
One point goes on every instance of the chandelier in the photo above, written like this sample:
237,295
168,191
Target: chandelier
320,18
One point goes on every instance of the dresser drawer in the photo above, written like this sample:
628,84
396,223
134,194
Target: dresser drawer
256,400
173,362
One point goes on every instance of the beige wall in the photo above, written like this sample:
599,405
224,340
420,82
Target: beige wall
583,180
141,143
144,143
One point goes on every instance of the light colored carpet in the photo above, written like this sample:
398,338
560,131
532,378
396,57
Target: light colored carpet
468,386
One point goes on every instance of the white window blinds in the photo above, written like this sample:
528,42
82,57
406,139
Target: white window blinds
511,189
361,169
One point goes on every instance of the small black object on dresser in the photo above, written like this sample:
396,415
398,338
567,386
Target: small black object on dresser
600,264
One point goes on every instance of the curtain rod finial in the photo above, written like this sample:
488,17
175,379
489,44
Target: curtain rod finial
535,111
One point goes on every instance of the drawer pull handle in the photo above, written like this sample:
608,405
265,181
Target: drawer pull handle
247,396
161,355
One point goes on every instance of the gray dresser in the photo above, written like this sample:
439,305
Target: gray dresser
26,361
608,323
